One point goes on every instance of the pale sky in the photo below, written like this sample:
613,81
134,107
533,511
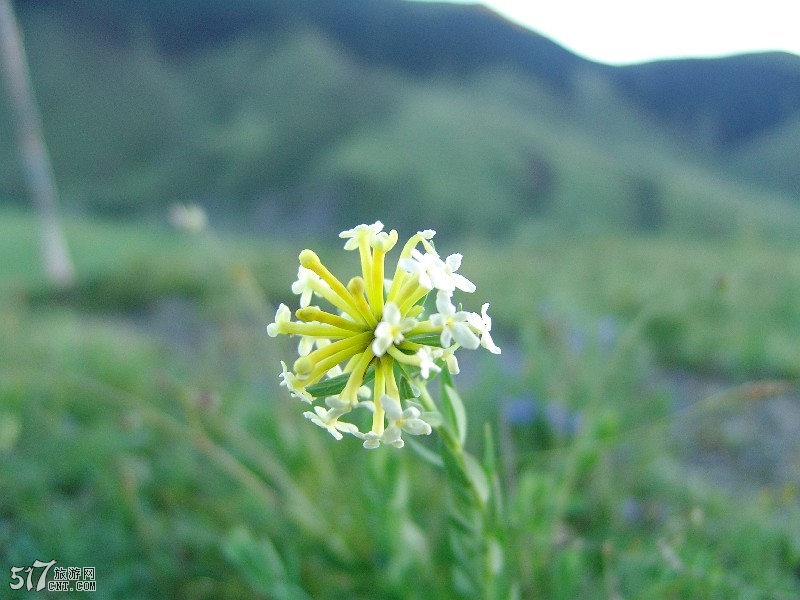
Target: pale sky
625,31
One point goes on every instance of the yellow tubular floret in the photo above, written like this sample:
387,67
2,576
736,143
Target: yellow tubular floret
374,280
380,245
350,364
380,390
412,299
366,261
310,260
312,313
400,275
356,343
391,383
314,330
357,374
407,359
303,367
424,327
317,369
331,296
408,291
356,289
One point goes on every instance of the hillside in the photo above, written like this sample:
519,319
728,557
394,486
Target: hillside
270,112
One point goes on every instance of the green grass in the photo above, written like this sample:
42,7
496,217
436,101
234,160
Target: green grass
142,429
143,432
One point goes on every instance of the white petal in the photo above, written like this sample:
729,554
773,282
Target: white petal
452,364
475,321
381,343
485,316
371,441
463,283
305,346
454,261
392,436
464,336
416,427
392,407
488,343
443,304
409,265
447,336
391,314
346,427
282,315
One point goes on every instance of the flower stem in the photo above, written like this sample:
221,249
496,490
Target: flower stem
473,505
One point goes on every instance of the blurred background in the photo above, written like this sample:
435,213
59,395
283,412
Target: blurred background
634,228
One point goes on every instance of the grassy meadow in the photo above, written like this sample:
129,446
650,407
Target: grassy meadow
638,436
644,412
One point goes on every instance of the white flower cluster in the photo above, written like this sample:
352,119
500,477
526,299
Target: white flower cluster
377,332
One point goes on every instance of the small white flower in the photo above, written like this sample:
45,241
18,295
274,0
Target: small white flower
408,420
384,241
482,323
339,404
307,280
451,278
329,419
371,440
188,217
283,315
399,420
427,362
360,232
391,436
290,381
433,272
425,236
421,264
391,329
454,324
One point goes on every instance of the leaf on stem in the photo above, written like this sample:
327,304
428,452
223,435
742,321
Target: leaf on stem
335,385
454,413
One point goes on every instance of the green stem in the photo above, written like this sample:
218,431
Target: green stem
474,526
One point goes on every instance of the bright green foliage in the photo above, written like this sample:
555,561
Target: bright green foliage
150,444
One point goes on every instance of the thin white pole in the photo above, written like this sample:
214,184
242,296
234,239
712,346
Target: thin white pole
37,169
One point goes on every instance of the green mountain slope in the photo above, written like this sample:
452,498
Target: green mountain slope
290,126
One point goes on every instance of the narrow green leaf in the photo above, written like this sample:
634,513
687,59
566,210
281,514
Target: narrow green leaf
465,525
494,556
405,382
427,339
447,378
465,583
421,301
260,564
489,460
335,385
477,477
406,389
426,453
454,468
454,412
329,387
